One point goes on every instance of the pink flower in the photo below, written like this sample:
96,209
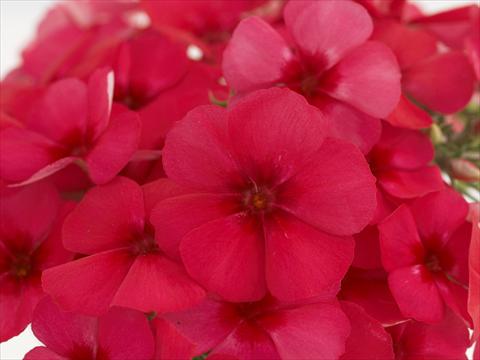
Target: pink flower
443,82
30,242
424,248
71,124
445,340
333,65
474,275
273,201
123,265
264,330
119,334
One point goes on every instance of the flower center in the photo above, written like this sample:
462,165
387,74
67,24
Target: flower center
144,244
258,200
309,85
432,262
21,267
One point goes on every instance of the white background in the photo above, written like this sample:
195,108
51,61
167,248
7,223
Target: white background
18,20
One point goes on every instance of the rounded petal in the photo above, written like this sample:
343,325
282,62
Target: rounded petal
400,243
89,284
17,302
156,64
445,340
159,190
274,132
349,124
206,324
325,195
29,211
124,334
411,184
173,218
369,289
108,217
410,116
302,261
438,215
100,97
196,152
62,114
368,78
256,56
368,339
416,294
65,333
226,256
155,283
343,26
444,83
170,343
248,341
313,332
23,153
114,148
410,45
43,353
402,149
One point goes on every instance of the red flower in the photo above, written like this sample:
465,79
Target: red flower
333,65
273,202
71,124
424,249
445,340
264,330
124,265
29,243
443,82
119,334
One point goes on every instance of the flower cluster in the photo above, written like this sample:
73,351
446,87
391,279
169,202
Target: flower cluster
243,179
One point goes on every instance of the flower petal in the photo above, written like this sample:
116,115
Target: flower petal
400,243
325,195
411,184
173,218
316,331
416,294
155,283
114,148
368,78
64,332
344,25
93,291
124,334
62,113
302,261
349,124
274,132
444,83
368,339
196,153
226,256
256,56
24,153
248,341
108,217
438,215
